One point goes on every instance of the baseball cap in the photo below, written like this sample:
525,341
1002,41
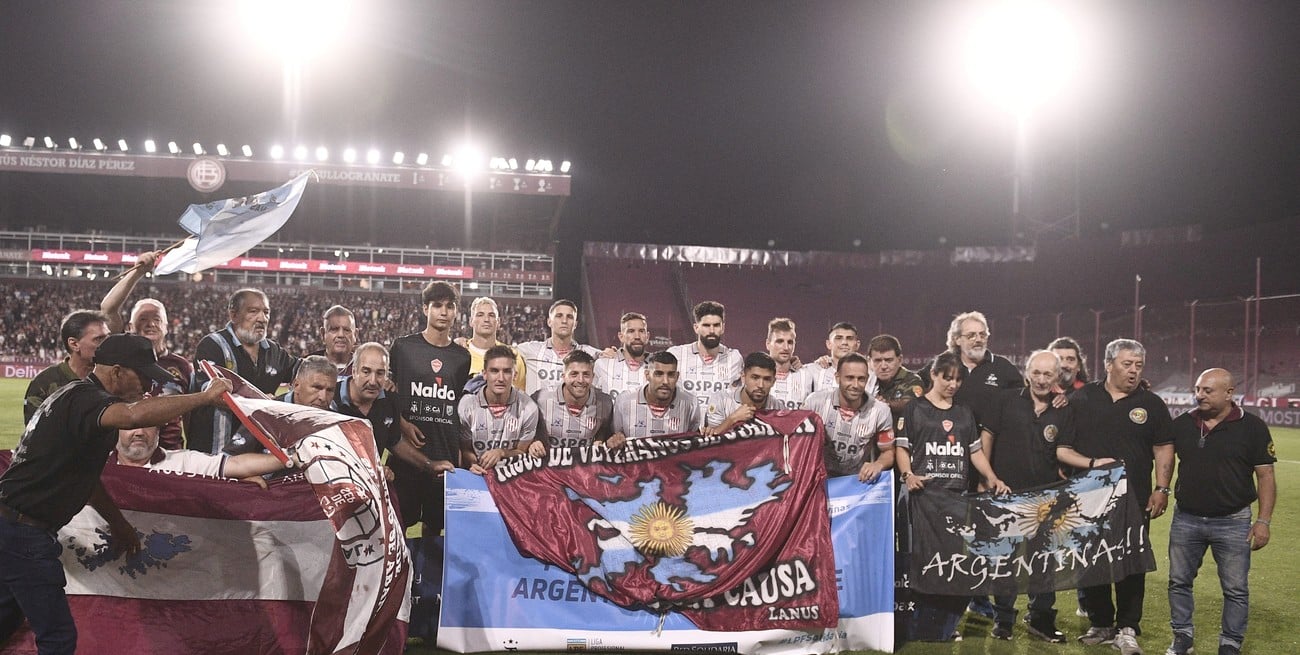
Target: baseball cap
134,352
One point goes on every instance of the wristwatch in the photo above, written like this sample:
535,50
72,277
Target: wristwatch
905,475
1163,490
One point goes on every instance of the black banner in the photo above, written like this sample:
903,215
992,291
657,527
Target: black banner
1088,530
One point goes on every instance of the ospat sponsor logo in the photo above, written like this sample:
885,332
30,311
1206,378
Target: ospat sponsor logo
703,386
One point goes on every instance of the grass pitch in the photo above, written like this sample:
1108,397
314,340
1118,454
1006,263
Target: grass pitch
1274,577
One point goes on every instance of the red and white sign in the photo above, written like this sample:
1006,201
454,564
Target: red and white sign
272,264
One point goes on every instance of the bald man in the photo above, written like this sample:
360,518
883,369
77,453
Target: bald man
1223,453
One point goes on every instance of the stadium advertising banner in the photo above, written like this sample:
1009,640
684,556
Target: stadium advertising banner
208,174
269,264
506,601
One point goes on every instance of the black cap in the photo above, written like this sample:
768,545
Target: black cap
134,352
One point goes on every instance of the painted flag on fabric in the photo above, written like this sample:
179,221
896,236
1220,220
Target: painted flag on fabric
1085,531
225,229
730,530
227,568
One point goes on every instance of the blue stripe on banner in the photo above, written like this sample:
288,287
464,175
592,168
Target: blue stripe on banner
488,584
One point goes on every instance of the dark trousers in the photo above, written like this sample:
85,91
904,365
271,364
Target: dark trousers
1041,606
1124,611
31,585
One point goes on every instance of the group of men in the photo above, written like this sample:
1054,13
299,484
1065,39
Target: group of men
440,402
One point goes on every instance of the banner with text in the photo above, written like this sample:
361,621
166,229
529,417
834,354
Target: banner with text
1088,530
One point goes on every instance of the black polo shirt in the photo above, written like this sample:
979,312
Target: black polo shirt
61,454
1216,468
993,372
383,415
1128,429
208,427
1024,442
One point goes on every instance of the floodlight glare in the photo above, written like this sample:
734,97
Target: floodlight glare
372,156
543,165
514,164
72,143
221,150
322,153
300,153
121,145
530,165
248,150
447,160
469,161
422,159
1019,51
399,157
297,28
277,151
5,140
350,155
173,148
198,148
150,146
98,143
565,166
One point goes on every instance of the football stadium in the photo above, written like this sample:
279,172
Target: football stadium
737,327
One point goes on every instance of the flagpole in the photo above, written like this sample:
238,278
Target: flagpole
161,254
212,372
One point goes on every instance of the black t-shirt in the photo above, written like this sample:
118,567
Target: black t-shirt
1024,443
383,414
1128,429
939,440
977,391
61,454
430,380
208,427
1216,469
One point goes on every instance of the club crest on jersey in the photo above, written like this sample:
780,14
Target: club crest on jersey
436,365
1050,432
991,380
1272,450
899,427
589,422
947,425
1138,415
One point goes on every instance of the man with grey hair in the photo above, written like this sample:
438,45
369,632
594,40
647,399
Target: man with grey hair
968,336
1118,418
338,336
312,386
1019,436
244,347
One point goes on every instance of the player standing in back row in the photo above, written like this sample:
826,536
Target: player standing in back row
705,365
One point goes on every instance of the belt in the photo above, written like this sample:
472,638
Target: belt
22,519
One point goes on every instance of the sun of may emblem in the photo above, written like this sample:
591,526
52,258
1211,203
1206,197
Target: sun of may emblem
661,529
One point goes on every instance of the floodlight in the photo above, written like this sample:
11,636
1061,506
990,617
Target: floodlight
198,148
98,143
447,160
469,161
121,145
72,143
322,153
248,150
372,156
173,148
350,155
29,142
543,165
297,28
399,157
565,166
221,150
422,159
49,143
1018,51
300,153
5,140
150,146
277,151
514,164
530,165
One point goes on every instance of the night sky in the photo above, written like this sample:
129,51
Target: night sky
811,124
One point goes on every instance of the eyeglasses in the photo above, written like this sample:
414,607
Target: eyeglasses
975,335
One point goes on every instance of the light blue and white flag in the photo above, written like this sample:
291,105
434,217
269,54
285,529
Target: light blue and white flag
225,229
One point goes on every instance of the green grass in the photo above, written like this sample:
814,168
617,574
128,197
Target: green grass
1274,575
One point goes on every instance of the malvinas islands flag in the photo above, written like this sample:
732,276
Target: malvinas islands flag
731,530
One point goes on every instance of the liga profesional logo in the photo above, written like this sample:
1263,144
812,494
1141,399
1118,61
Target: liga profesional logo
206,174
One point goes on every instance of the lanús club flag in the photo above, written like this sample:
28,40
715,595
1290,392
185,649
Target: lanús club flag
1085,531
731,530
225,229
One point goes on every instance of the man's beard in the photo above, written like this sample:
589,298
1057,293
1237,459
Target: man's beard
975,354
712,341
248,336
135,452
635,349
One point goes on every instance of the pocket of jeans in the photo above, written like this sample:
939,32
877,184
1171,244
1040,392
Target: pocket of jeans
35,545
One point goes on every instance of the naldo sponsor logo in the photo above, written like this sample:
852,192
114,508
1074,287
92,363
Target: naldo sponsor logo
432,391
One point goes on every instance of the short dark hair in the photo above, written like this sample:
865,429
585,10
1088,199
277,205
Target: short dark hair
709,308
843,325
497,352
883,343
631,316
759,360
579,356
438,291
74,325
851,358
562,302
237,298
948,363
662,357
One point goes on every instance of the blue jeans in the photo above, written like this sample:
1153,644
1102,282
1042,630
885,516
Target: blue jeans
1226,537
31,585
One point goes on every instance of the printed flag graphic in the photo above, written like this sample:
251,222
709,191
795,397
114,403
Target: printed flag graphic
1085,531
225,229
731,530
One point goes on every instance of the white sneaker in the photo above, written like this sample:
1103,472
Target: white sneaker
1126,642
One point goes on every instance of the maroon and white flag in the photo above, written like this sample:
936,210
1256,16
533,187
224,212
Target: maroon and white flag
731,530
